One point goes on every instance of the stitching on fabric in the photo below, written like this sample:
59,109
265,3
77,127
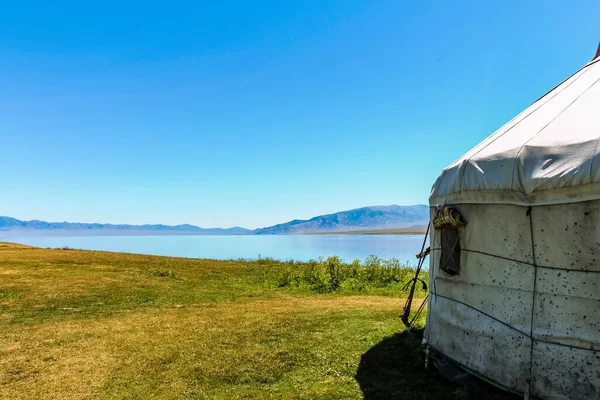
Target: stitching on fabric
440,181
593,152
592,159
580,69
512,181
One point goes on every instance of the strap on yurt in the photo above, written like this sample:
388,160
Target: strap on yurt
531,323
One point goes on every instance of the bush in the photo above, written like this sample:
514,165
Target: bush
288,279
332,274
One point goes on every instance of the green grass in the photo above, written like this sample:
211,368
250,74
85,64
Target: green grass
96,325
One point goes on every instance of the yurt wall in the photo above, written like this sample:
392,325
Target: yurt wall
481,317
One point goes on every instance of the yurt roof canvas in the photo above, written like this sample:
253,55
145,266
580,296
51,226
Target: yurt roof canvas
548,154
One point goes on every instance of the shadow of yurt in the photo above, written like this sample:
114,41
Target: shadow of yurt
394,369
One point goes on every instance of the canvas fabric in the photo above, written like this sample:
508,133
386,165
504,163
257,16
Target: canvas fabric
548,154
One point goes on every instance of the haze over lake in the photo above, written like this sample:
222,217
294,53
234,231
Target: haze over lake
284,247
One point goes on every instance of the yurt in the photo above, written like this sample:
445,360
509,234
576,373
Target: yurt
515,249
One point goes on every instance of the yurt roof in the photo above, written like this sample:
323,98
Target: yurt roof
548,154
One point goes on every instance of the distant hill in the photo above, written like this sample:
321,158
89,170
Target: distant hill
365,218
36,226
375,217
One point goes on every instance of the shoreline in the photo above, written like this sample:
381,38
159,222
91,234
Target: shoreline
390,231
84,233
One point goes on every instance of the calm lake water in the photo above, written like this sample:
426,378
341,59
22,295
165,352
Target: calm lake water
283,247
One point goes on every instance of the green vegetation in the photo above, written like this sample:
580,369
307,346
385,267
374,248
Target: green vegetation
85,324
332,275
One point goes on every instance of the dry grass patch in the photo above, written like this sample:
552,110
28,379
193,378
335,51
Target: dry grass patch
204,350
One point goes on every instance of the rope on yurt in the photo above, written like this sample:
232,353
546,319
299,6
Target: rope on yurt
419,311
406,309
527,335
535,270
519,261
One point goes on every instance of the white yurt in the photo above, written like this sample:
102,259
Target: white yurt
515,249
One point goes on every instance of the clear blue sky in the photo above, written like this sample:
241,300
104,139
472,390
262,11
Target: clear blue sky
257,112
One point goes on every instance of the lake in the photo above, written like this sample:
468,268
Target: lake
283,247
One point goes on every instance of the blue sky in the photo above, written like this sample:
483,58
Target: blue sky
253,113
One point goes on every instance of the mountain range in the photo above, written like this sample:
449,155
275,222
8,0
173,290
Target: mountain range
374,217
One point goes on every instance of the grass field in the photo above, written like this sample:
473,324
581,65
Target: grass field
84,324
